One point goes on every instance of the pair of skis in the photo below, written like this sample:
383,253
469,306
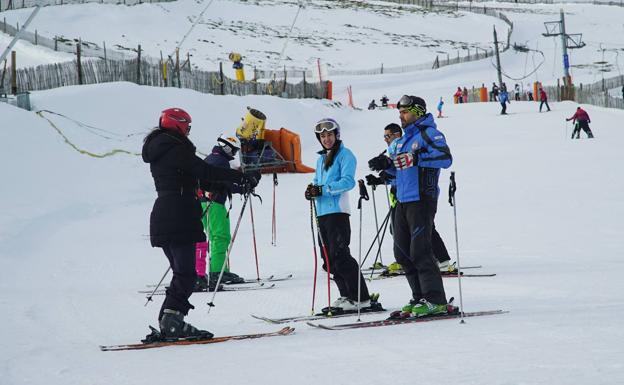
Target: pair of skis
190,341
289,330
262,284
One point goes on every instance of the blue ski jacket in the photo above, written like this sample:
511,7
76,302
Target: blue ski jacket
335,181
431,153
503,97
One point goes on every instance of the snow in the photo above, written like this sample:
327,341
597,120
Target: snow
540,210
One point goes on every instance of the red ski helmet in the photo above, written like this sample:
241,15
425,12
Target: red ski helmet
175,119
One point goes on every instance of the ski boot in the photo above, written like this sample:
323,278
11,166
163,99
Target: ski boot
228,278
201,283
173,327
425,308
405,312
377,266
393,269
447,268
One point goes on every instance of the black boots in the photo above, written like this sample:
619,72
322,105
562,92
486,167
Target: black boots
172,325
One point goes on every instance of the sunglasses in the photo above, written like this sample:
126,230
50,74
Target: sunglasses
390,136
325,125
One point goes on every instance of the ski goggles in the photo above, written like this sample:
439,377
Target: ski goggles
408,103
325,125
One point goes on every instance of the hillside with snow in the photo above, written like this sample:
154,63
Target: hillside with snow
541,211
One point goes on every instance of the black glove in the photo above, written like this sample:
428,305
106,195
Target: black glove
386,177
379,163
372,180
250,180
313,191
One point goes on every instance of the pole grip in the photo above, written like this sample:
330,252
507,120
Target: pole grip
363,193
452,189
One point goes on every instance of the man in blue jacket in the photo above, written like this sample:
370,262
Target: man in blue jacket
421,152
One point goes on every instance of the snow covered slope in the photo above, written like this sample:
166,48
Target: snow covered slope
538,209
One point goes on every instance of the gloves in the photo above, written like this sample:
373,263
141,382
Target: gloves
405,160
379,163
313,191
372,180
250,180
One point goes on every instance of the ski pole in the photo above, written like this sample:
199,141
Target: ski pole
227,256
383,235
149,297
373,188
326,256
253,235
383,224
274,221
363,196
452,202
315,255
387,196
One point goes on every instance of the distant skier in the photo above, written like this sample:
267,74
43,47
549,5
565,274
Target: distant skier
421,148
517,92
494,93
581,117
465,95
335,172
384,101
543,99
372,105
503,98
458,95
175,221
440,105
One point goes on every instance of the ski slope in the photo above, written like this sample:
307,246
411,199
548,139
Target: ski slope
540,210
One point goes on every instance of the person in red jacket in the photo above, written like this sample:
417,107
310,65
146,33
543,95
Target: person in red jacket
581,117
458,95
543,98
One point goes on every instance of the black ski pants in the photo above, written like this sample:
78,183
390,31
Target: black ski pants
181,258
335,231
437,244
413,227
439,248
582,124
542,104
504,108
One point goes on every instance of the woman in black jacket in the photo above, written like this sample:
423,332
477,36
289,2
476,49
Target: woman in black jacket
175,221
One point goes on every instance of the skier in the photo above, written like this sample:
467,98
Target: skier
384,101
459,98
582,121
440,105
421,146
503,98
335,170
544,99
465,95
392,133
372,105
517,92
494,93
175,224
218,228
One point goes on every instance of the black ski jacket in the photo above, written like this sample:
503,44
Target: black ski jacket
178,173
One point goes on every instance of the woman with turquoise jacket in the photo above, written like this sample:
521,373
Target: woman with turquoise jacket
335,171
